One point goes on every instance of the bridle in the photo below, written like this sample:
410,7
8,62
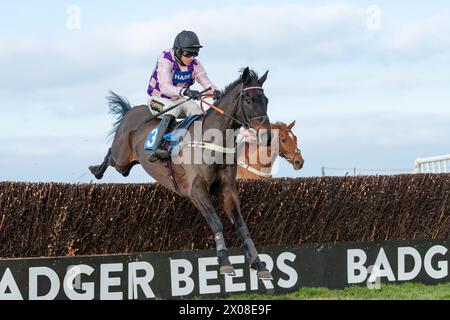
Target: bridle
284,156
291,161
263,118
239,106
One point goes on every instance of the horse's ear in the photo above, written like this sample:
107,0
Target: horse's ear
263,78
291,125
246,76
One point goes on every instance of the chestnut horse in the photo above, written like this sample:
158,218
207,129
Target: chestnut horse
243,103
251,164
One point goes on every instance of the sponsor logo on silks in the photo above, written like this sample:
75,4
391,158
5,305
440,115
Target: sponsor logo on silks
181,77
151,138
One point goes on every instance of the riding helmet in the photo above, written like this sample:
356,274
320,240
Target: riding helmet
186,40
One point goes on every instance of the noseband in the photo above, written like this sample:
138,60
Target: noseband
291,161
297,152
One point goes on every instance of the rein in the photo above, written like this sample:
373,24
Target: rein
222,112
217,109
217,148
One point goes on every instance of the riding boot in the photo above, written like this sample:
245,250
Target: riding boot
156,152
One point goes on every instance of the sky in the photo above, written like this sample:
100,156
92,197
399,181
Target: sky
367,82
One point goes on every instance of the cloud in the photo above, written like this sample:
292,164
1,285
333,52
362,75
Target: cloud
292,32
379,129
348,86
297,37
295,32
429,36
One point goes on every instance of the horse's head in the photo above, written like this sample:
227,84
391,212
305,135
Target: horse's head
288,144
252,104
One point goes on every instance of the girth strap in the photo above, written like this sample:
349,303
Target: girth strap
209,146
168,164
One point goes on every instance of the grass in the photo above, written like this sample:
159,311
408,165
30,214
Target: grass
406,291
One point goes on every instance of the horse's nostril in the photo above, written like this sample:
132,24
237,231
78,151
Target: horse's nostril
298,164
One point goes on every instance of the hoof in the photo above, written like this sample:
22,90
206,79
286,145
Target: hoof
264,275
228,270
94,170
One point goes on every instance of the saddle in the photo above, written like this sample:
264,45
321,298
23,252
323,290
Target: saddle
177,134
180,128
173,138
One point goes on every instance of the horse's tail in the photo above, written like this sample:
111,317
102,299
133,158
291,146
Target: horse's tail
118,107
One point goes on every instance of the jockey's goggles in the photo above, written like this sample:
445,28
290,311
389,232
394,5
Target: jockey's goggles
190,54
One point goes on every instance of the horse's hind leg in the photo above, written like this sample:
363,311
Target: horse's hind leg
126,172
122,155
98,171
201,199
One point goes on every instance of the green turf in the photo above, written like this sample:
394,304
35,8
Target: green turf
406,291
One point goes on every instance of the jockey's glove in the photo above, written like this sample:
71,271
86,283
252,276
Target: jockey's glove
193,94
217,94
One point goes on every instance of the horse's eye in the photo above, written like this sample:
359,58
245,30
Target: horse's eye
283,141
248,100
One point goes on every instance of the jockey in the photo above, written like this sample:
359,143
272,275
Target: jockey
177,69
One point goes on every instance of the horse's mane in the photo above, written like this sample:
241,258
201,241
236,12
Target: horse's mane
280,124
253,76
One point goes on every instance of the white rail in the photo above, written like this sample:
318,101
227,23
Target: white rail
437,164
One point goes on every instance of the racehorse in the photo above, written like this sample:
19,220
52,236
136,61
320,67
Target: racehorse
243,103
251,164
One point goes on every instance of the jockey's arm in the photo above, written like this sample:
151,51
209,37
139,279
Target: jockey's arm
202,78
165,79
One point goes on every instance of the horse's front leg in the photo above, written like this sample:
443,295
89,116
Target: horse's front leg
201,198
232,208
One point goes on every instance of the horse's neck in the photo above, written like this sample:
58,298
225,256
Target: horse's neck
215,120
252,153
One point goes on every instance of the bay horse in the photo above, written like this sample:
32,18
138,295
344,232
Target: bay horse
242,102
252,166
